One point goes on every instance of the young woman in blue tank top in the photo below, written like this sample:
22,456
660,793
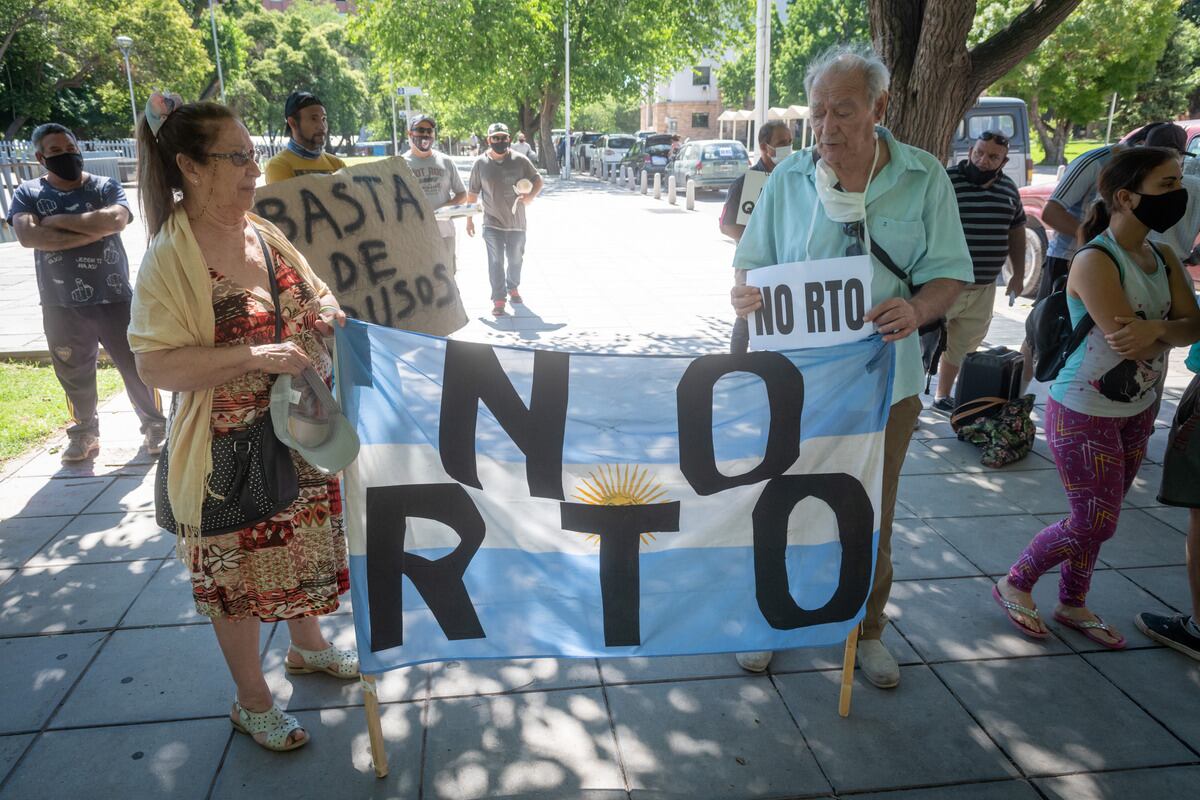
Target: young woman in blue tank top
1102,405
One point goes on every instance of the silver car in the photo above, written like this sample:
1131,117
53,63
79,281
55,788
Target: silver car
711,163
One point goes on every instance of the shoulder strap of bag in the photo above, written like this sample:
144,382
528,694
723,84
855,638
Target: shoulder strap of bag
887,261
270,264
979,405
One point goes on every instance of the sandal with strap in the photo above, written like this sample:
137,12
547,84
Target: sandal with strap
277,726
332,661
1009,605
1087,628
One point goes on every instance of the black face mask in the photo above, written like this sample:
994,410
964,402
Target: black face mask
500,148
68,166
977,176
423,143
1160,212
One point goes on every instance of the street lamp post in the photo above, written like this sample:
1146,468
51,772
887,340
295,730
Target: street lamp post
566,165
212,16
126,44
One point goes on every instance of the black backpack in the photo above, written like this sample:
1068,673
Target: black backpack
1048,326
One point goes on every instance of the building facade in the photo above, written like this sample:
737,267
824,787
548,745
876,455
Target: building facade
688,104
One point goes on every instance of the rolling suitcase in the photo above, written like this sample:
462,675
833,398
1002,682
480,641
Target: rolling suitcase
993,374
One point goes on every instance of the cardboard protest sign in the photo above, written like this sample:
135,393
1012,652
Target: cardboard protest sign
812,303
509,502
369,233
752,186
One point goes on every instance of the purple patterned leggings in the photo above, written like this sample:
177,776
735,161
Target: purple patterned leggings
1097,459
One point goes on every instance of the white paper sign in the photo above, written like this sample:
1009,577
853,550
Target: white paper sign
752,187
811,303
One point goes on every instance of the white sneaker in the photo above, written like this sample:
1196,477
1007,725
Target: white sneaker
756,661
877,664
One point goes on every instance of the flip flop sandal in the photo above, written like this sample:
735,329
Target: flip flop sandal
332,661
1009,605
277,726
1087,626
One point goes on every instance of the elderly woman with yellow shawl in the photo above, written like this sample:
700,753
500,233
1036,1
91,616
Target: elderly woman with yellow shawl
204,327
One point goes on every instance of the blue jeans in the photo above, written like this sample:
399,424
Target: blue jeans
500,244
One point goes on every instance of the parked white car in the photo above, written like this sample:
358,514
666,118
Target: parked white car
612,147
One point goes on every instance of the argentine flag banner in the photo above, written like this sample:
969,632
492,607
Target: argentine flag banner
509,502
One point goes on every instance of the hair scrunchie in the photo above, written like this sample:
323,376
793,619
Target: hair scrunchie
159,107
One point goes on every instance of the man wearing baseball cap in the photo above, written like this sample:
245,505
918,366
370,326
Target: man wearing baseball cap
1181,237
435,172
305,153
506,182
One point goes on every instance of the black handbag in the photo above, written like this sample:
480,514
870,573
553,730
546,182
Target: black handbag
253,476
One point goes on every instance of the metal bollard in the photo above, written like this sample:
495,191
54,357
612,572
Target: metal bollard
643,181
671,187
612,173
658,186
690,203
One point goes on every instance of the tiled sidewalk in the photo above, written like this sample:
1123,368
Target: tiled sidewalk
114,687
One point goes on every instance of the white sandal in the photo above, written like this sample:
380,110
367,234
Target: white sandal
277,726
332,660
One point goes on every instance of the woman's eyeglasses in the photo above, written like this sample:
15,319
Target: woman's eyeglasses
992,136
238,158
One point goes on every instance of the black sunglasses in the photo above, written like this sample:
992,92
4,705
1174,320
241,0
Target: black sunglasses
423,131
854,230
992,136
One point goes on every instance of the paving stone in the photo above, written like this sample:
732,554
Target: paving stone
964,457
994,790
919,459
536,744
933,425
712,739
1035,491
69,598
1142,783
495,676
1163,682
956,495
991,543
1168,584
165,760
99,538
1176,517
49,666
809,659
902,511
641,669
114,459
956,618
1140,541
919,552
37,497
153,674
335,764
930,738
1113,596
1042,711
124,495
11,748
1144,491
21,537
166,600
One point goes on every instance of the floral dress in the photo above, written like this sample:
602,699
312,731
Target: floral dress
294,564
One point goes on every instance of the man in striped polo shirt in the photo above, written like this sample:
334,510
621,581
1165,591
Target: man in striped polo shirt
994,223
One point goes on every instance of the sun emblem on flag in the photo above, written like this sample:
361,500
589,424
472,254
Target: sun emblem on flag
620,485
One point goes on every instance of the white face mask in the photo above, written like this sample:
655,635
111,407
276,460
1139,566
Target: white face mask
840,205
782,152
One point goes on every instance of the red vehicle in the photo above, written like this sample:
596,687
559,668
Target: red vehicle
1037,236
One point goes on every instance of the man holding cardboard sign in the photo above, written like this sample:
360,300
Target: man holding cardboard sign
859,192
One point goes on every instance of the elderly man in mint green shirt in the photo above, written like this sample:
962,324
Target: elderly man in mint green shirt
815,206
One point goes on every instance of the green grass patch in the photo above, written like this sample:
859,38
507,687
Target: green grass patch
1075,147
33,406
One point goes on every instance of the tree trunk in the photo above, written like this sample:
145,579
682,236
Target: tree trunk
935,78
1045,135
14,127
549,157
1061,136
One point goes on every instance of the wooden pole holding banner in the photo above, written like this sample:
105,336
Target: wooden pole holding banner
379,758
848,673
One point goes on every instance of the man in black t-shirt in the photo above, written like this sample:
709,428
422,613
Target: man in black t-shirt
73,222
